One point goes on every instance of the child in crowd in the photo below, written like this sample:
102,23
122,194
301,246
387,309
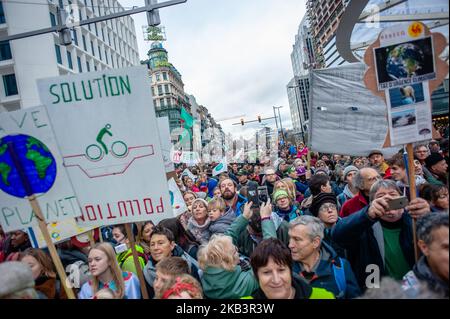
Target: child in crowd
221,218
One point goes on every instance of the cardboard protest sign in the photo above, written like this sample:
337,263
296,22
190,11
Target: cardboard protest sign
166,145
220,168
29,132
176,198
404,68
107,132
59,231
345,117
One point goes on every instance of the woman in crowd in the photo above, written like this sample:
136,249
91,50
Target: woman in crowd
222,277
106,273
285,206
47,285
437,197
198,224
183,287
125,255
143,237
272,265
188,198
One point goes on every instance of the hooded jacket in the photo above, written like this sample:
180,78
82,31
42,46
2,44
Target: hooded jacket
324,276
221,225
344,196
274,227
219,283
421,273
363,239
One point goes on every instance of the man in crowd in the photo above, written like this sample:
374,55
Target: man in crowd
233,200
350,190
377,161
434,146
317,262
269,180
437,166
363,181
432,267
242,176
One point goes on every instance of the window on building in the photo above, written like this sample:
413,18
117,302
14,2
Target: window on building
160,90
83,37
92,48
10,84
88,66
96,29
75,37
52,19
153,91
99,53
69,60
164,76
162,102
80,69
58,54
158,77
5,51
166,88
168,101
2,14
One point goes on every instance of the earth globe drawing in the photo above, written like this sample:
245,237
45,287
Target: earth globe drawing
36,159
404,61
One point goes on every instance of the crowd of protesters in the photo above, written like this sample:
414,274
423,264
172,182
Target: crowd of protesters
326,226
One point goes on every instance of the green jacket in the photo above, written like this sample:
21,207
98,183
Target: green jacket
219,283
274,227
126,261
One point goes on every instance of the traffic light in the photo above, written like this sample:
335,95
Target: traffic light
153,18
242,122
259,118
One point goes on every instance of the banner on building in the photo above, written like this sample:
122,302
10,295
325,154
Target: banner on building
107,132
29,132
345,117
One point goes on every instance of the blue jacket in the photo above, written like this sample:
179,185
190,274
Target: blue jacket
241,200
292,214
212,183
363,239
324,275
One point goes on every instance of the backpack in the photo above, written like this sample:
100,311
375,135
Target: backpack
339,277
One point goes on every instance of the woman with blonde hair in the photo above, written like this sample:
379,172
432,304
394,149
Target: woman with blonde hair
222,277
106,273
143,237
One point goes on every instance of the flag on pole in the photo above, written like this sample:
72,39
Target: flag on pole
186,118
221,167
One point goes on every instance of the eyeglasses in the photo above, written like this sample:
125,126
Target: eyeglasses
326,207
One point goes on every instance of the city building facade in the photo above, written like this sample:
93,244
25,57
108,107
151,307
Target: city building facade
98,46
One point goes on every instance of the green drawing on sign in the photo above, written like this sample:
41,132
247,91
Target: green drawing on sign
101,134
5,169
96,153
40,162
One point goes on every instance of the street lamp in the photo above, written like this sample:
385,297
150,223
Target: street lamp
298,109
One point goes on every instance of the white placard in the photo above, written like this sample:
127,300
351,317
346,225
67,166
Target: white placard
166,144
176,198
106,128
34,142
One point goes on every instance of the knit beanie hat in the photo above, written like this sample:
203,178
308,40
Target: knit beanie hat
433,159
15,277
321,199
279,194
200,200
349,169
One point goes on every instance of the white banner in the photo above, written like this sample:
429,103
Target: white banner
176,198
345,117
29,132
107,132
166,144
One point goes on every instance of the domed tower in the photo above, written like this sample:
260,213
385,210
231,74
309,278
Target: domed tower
157,56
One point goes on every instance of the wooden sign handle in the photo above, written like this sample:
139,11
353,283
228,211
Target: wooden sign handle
51,247
412,193
137,264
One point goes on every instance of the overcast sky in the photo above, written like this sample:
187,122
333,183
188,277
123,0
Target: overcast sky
234,55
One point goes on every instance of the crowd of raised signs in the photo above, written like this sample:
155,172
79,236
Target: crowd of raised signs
336,227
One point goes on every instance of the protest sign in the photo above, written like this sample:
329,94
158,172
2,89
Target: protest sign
220,168
166,145
189,173
404,68
59,231
176,198
345,117
31,135
107,133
